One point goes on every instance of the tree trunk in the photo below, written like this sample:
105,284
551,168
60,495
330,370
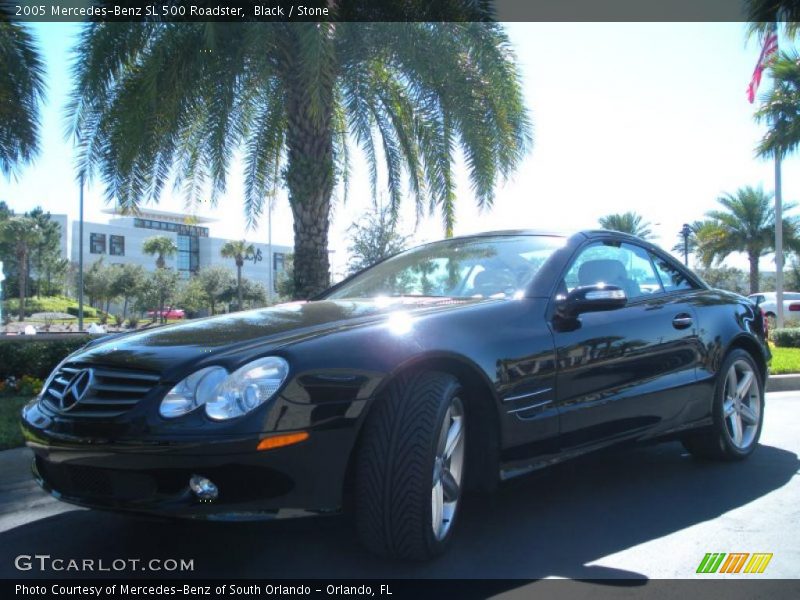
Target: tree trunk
310,177
125,308
753,258
239,283
22,259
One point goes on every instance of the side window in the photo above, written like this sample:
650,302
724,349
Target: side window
671,277
622,265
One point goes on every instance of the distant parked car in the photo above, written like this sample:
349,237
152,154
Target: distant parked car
767,301
168,313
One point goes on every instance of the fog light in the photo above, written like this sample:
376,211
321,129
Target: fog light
202,487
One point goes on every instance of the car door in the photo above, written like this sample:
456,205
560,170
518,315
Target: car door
620,372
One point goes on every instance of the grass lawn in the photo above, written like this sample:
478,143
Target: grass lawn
10,434
785,360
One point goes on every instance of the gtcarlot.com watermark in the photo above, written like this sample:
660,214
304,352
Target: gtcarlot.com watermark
45,563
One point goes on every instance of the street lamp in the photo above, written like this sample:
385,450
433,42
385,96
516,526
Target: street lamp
686,231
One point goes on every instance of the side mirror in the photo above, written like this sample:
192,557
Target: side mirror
592,298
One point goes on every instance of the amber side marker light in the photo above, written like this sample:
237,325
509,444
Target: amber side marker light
276,441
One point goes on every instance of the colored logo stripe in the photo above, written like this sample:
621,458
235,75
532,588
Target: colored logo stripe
710,562
758,562
734,562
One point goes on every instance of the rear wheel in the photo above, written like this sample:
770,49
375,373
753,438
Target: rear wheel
410,467
738,412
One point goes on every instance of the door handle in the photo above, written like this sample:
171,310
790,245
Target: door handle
682,321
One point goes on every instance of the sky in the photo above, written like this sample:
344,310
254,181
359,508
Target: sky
628,116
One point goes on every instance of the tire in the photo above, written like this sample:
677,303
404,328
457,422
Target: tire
406,471
737,420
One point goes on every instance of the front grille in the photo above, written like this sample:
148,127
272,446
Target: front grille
103,393
92,482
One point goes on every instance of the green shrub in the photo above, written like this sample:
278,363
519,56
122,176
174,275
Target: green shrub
26,386
88,311
787,337
118,320
46,304
133,321
21,355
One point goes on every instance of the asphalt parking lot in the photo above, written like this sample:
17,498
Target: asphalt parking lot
643,513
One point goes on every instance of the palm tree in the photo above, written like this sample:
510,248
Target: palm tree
161,247
747,224
780,108
24,235
628,222
21,89
238,251
763,13
290,97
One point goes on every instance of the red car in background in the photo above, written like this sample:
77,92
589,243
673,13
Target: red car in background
168,313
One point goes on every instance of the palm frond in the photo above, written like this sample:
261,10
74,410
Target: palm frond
21,90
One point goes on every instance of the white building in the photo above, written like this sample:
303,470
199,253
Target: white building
120,242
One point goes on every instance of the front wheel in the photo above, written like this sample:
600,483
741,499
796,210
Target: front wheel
738,412
410,467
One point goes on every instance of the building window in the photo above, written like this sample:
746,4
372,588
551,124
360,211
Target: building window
97,243
179,228
188,254
279,262
117,245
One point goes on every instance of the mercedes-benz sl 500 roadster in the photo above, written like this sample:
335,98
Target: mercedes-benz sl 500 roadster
446,368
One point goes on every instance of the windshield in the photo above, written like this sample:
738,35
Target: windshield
479,267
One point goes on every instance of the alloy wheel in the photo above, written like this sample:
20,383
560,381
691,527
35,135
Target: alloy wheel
741,404
448,469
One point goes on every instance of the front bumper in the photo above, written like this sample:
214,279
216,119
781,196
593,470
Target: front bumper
152,476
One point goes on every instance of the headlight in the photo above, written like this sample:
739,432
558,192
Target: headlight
247,388
197,389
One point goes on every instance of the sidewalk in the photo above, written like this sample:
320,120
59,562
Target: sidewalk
21,500
783,383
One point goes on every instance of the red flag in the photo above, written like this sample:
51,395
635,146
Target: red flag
770,48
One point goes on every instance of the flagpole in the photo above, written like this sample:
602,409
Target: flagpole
778,224
770,48
778,241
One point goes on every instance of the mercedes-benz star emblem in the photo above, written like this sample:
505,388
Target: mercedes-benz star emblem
76,389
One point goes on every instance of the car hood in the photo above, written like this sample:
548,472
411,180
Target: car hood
164,348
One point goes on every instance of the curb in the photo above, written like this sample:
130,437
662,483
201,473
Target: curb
783,383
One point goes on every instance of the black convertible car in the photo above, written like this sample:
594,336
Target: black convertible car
445,368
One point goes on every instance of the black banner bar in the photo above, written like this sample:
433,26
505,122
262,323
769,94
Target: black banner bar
463,589
176,11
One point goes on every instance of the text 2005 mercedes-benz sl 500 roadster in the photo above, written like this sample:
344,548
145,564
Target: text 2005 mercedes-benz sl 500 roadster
445,368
